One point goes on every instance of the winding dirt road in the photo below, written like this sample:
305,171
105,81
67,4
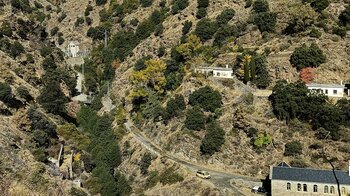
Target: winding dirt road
222,180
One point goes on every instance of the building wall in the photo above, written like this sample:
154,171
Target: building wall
279,188
222,74
73,49
329,91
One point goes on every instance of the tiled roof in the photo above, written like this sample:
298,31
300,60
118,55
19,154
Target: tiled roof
314,85
309,175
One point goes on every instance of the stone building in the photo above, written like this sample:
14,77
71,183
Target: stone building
292,181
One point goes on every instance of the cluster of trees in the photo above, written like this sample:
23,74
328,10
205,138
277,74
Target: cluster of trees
263,18
105,154
344,17
294,101
21,5
305,56
43,133
51,97
202,8
251,66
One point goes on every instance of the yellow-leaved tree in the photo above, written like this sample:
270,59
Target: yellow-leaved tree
150,78
191,47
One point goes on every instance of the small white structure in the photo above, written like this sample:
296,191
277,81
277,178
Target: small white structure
330,90
218,72
73,49
77,182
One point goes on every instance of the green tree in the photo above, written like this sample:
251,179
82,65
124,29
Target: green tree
206,98
261,6
225,16
319,5
195,119
16,49
101,2
266,21
5,92
175,106
146,3
344,106
213,140
179,5
205,29
52,98
203,3
186,28
344,17
307,56
293,148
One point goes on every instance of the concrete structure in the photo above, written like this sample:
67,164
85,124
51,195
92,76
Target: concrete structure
331,90
217,72
73,49
292,181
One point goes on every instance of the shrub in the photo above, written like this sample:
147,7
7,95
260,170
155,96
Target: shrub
266,21
62,17
161,51
205,29
341,31
88,9
54,31
140,64
146,3
213,140
179,5
96,33
203,3
195,119
16,49
145,162
45,51
307,56
101,2
186,28
293,148
24,93
248,3
60,40
5,92
262,139
88,21
319,5
206,98
6,29
315,33
201,13
169,176
260,6
225,16
79,21
344,16
298,163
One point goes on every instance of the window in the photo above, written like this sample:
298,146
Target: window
326,91
325,189
288,186
315,188
335,92
299,187
218,74
331,189
305,187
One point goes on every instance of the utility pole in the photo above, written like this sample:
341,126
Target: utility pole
106,38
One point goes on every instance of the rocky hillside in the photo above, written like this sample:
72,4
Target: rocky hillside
139,68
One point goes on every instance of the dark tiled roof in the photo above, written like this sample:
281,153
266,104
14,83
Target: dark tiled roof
309,175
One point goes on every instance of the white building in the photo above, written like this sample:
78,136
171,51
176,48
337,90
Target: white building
73,49
218,72
331,90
